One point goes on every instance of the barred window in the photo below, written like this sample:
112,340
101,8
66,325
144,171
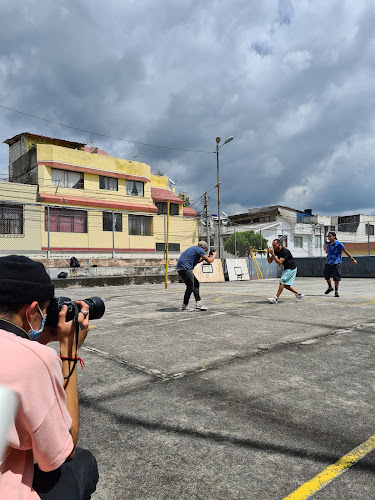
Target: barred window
284,240
172,247
109,183
318,242
140,225
65,220
369,229
11,219
134,188
298,242
162,208
66,179
108,222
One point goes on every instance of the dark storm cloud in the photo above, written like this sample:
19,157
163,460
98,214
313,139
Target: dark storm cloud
291,81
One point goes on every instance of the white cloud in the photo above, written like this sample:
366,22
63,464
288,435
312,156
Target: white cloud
298,60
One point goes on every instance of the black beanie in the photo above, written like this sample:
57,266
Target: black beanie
23,280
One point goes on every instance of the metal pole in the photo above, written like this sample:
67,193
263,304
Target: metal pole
113,235
48,229
235,241
207,227
166,248
165,234
218,197
368,238
261,243
320,237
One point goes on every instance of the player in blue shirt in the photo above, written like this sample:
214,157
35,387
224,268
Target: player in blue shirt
185,265
332,269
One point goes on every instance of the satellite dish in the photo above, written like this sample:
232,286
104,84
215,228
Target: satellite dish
172,182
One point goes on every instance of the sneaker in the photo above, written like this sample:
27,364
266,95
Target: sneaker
185,307
337,293
299,296
200,306
329,290
272,300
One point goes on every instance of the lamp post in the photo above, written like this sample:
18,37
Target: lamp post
218,139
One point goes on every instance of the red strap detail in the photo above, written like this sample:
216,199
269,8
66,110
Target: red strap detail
73,359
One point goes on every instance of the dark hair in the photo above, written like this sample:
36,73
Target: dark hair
9,309
278,241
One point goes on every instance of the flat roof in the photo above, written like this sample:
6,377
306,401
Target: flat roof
17,137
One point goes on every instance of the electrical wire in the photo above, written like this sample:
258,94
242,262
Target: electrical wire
104,135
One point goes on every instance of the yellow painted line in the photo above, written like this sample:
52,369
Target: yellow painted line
318,482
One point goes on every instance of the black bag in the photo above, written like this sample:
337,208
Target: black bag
62,275
73,262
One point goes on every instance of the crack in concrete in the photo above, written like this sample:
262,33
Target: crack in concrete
259,350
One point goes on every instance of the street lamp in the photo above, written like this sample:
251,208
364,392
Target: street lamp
218,139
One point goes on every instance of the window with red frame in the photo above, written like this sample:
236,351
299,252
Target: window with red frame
65,220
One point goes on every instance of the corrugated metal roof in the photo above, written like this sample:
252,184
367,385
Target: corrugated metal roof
17,137
189,212
160,194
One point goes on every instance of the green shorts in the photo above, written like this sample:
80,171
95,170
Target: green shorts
288,276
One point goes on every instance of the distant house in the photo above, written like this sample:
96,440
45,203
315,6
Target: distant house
87,201
301,231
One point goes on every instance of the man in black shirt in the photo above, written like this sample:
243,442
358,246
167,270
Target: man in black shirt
283,257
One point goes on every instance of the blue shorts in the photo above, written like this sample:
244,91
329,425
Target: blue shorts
288,276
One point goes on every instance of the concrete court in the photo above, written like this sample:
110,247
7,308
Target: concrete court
245,401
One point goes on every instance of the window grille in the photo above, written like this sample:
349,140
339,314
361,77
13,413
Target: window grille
108,222
11,219
298,242
172,247
64,220
162,208
140,225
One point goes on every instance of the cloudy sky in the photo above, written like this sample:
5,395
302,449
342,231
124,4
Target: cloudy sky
291,80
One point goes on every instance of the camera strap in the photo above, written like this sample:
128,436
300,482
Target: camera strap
78,325
8,326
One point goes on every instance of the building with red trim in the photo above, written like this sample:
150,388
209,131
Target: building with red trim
89,201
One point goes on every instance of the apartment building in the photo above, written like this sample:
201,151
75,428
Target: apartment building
89,202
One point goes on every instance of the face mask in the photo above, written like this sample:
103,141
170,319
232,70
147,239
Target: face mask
34,334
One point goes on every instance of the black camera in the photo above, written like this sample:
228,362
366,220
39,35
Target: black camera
96,309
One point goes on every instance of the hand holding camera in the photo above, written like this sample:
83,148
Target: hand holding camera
66,330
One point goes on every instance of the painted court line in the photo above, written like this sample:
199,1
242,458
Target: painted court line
192,315
318,482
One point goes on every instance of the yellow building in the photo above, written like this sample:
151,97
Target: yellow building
93,202
20,221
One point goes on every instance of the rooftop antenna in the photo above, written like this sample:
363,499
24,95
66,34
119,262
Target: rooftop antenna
172,182
134,157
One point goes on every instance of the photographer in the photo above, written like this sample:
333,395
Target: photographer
185,265
45,428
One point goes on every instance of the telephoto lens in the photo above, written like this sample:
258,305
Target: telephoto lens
96,309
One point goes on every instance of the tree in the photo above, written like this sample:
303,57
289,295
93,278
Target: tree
244,241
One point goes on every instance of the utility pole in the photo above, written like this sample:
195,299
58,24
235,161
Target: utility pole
368,238
206,212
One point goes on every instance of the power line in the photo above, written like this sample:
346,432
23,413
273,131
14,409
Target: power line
103,135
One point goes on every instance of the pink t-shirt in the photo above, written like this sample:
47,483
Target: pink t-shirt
40,431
